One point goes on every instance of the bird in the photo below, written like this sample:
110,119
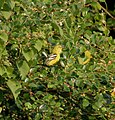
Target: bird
54,57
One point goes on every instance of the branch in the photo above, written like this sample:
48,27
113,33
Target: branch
107,12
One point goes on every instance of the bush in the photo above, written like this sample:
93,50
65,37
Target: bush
77,87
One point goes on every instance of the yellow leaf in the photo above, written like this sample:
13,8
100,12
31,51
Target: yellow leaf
85,62
86,59
88,54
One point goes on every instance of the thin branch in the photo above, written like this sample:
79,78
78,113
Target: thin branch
104,10
107,12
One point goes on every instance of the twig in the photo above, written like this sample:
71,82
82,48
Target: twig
104,10
107,12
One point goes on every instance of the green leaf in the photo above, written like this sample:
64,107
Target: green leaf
99,101
51,85
2,70
33,85
97,105
23,68
38,116
9,71
28,54
61,31
57,27
38,45
14,86
2,49
28,105
6,14
4,37
85,103
1,3
96,5
80,60
12,4
66,88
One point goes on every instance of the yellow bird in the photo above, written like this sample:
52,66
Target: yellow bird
55,56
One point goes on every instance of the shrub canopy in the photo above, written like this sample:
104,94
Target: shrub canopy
80,85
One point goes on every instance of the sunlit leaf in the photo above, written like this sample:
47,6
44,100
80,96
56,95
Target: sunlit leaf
12,4
23,68
1,88
28,54
6,14
28,105
38,45
4,36
9,71
50,85
2,70
86,59
85,103
14,86
80,60
88,56
96,5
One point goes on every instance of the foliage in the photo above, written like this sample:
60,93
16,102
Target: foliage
77,87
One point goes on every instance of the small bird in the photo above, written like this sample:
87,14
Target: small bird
55,56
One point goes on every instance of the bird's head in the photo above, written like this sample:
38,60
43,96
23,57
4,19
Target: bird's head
57,49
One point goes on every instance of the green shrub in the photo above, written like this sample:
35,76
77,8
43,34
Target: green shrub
77,87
